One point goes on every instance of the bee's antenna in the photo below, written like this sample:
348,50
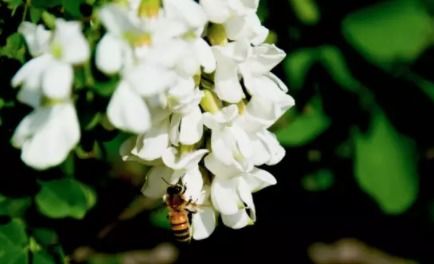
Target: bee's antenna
168,183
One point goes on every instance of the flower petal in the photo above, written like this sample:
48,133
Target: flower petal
193,181
30,74
36,36
191,127
275,150
109,55
224,196
264,58
246,27
187,11
237,220
218,11
53,141
258,179
57,80
75,49
127,111
245,194
227,84
219,169
204,223
187,161
152,145
205,55
155,187
148,79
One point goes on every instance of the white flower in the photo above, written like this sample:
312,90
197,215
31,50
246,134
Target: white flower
51,71
238,17
47,135
229,142
231,191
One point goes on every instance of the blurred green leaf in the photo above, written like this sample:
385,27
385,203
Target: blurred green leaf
297,64
14,207
14,48
305,126
42,257
306,10
159,218
65,198
45,237
46,3
13,242
72,7
319,180
390,31
335,63
385,165
13,4
35,14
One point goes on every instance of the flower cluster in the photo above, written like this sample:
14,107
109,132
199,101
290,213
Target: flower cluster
195,89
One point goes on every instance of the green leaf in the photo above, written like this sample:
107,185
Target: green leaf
14,48
390,31
320,180
305,126
35,14
14,207
45,237
72,7
13,241
306,11
297,64
159,218
333,60
13,4
42,257
46,3
386,166
65,198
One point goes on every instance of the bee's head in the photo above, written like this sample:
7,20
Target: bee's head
175,189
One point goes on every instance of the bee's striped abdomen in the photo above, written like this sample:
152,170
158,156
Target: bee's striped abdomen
180,226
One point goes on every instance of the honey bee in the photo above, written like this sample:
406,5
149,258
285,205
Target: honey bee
180,211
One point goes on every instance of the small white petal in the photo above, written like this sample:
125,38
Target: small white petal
246,196
223,117
275,150
218,11
264,58
227,84
246,28
53,141
126,147
237,220
191,127
30,96
74,46
30,74
219,169
148,80
155,187
224,196
37,38
187,11
204,223
109,57
30,125
117,20
205,55
152,145
187,161
193,181
258,179
57,80
127,111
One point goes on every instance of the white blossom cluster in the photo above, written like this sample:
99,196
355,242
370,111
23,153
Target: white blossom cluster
195,89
